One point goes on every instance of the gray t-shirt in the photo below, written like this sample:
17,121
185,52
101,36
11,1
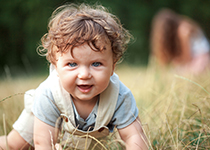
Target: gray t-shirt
199,45
44,108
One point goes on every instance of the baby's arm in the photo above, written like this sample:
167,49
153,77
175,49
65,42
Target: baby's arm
43,133
133,136
15,142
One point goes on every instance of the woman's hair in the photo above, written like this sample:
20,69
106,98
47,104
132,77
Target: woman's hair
165,41
72,25
165,38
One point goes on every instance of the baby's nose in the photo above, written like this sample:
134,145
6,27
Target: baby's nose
84,73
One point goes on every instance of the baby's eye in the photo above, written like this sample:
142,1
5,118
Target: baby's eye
96,64
72,64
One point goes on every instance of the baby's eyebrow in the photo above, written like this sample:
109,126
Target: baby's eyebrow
100,60
69,59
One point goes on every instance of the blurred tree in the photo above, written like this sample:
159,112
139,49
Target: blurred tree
24,22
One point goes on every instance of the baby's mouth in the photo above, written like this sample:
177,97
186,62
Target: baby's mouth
85,88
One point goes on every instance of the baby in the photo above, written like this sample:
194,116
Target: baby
82,97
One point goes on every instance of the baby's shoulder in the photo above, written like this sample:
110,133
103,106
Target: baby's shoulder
123,89
44,87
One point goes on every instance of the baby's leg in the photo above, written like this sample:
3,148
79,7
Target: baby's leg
15,142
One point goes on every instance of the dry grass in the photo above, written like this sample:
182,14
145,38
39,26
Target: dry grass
11,98
175,111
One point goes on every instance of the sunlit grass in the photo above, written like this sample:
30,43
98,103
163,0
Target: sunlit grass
174,109
11,98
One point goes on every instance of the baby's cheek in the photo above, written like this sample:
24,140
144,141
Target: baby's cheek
104,83
67,84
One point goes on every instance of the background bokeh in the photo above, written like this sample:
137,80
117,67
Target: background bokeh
24,22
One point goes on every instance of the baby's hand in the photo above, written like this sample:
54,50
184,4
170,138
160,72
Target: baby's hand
58,146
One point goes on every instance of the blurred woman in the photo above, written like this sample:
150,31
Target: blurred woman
179,42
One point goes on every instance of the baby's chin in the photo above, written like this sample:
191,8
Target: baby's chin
85,98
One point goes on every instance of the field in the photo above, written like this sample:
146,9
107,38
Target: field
174,109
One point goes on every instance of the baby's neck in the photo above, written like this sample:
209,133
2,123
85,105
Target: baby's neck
84,108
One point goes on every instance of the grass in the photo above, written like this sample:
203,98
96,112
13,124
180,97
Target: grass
173,109
11,98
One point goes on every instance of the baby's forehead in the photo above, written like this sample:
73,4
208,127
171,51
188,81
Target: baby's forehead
85,52
100,46
104,41
101,43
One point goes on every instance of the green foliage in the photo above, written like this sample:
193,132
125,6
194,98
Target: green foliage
23,23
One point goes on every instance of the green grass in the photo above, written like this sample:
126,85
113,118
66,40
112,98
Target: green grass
174,109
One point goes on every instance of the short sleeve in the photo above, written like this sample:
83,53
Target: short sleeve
200,45
126,110
44,107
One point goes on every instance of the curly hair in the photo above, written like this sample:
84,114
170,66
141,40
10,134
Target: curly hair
72,25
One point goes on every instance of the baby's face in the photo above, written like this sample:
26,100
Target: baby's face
87,73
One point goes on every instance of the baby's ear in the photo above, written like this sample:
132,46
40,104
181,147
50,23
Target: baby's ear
52,67
113,68
56,71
